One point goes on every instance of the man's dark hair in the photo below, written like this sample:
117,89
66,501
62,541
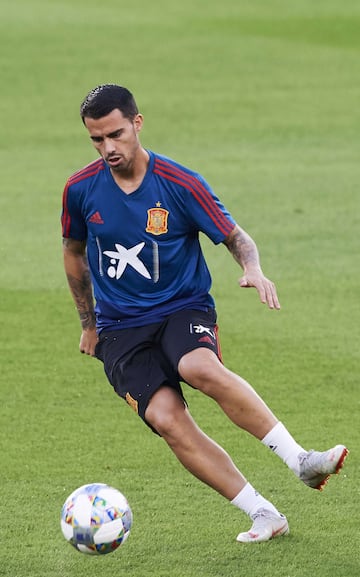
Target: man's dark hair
107,97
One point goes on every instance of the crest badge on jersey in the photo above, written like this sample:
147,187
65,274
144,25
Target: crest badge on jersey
157,222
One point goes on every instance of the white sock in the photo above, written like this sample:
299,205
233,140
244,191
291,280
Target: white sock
284,446
250,501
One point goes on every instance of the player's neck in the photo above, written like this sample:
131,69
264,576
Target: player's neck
130,179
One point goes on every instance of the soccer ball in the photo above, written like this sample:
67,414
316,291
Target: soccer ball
96,519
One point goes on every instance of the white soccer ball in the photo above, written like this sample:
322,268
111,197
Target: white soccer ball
96,519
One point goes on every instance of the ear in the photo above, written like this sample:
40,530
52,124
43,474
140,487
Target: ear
138,122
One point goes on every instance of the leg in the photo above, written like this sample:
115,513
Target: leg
202,369
207,461
204,458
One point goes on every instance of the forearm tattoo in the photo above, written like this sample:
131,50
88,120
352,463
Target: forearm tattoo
242,247
83,297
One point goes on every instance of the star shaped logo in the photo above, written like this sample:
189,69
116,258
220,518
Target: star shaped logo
123,257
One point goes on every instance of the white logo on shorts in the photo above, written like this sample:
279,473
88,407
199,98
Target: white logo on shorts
200,329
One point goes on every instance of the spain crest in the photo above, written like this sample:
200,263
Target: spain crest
157,220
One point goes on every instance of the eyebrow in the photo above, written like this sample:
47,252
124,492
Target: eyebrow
110,135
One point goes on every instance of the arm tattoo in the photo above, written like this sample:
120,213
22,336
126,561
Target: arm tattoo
67,242
83,297
242,247
78,275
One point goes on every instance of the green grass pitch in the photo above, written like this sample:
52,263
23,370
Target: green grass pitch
262,98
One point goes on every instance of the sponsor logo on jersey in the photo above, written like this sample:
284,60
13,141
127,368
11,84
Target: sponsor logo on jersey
122,257
157,221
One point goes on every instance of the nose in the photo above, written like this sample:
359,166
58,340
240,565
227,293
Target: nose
109,146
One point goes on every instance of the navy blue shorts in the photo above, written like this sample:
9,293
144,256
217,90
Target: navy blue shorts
140,360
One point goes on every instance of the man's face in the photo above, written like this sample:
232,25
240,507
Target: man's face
116,139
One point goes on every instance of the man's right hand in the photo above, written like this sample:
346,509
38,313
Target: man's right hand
88,341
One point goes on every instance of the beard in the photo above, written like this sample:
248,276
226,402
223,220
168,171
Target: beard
121,164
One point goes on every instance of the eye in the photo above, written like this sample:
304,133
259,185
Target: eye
116,134
96,139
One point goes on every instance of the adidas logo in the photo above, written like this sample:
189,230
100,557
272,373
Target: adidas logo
96,218
205,339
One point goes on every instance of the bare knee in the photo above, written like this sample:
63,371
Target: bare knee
165,411
202,369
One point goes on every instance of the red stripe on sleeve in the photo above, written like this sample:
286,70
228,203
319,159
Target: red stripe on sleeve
65,217
89,170
201,194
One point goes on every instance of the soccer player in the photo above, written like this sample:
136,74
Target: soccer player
131,222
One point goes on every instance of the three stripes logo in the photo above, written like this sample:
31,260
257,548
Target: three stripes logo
96,218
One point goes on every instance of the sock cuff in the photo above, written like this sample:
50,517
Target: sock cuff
250,501
242,495
278,428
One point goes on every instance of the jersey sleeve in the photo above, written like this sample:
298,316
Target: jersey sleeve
72,220
207,211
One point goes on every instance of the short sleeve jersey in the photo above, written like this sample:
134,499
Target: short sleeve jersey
143,248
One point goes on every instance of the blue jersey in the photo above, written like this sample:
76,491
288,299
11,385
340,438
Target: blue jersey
143,248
